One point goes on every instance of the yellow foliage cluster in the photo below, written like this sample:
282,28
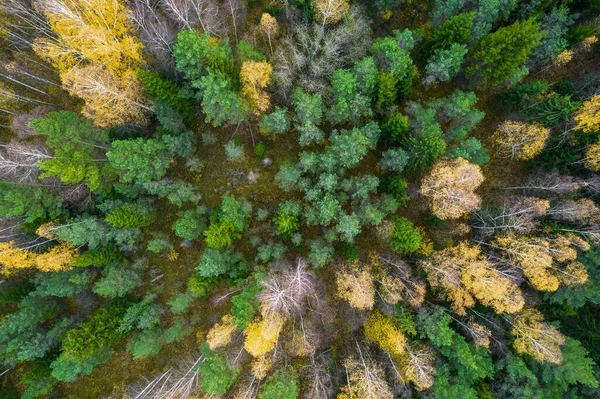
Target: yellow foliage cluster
261,336
518,140
416,366
396,282
330,11
355,285
13,257
451,185
383,331
255,77
536,256
563,58
221,333
261,366
588,116
465,275
540,340
96,31
479,333
269,24
96,56
47,231
366,380
58,258
592,157
109,99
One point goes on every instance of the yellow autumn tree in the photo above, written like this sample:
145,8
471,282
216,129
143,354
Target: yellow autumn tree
417,365
58,258
573,273
396,282
588,116
261,366
465,275
14,258
533,256
221,333
521,141
261,336
47,230
383,331
91,31
270,27
592,157
450,185
366,380
109,100
255,77
479,333
540,340
356,286
330,11
96,55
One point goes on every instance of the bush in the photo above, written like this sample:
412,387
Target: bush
220,235
386,90
529,90
214,262
117,281
500,55
349,252
404,238
191,224
578,33
130,216
200,286
277,122
394,160
269,252
260,149
424,150
166,90
215,376
456,29
281,385
320,253
395,128
396,186
180,302
234,150
228,223
287,219
551,110
98,257
159,244
97,333
146,343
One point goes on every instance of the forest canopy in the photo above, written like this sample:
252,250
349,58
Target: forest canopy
299,199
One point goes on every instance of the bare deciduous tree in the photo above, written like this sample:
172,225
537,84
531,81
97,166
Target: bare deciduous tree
156,33
318,378
580,211
284,292
190,14
308,56
553,183
516,214
237,12
178,382
18,161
